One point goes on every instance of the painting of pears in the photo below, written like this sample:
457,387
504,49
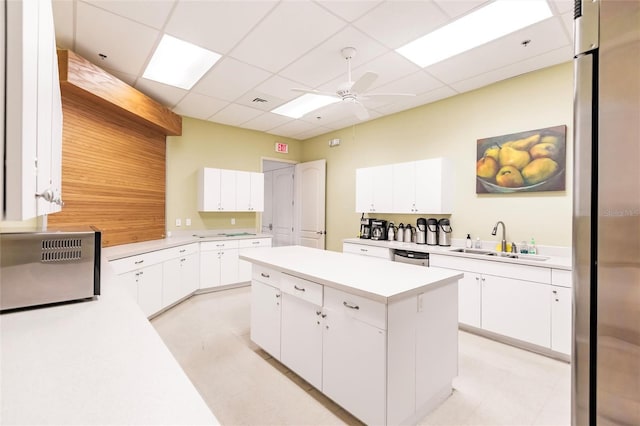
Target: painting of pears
528,161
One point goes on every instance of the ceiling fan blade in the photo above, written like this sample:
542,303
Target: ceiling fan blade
364,82
358,109
317,92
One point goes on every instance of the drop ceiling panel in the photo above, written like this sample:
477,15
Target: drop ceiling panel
163,93
266,122
235,115
326,62
277,86
349,10
416,83
127,44
316,131
130,79
457,8
229,79
555,57
199,106
64,23
259,100
153,13
397,22
289,31
389,67
562,6
292,128
425,98
545,36
216,25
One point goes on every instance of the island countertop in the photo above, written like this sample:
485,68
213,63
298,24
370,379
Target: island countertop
371,278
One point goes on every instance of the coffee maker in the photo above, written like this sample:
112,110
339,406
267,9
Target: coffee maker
365,227
432,231
378,229
421,231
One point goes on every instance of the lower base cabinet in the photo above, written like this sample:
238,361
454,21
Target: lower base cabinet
561,329
265,317
145,284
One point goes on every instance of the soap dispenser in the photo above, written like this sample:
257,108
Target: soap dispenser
469,243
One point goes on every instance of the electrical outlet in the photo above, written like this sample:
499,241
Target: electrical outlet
178,222
187,221
233,220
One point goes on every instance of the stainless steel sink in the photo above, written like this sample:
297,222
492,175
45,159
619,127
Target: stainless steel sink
534,257
471,251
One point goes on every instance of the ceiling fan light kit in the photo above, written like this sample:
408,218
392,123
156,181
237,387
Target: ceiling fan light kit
350,92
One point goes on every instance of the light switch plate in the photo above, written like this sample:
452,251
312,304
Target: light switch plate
178,222
187,221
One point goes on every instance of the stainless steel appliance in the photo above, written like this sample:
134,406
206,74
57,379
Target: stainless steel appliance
365,227
378,229
400,233
409,234
412,257
606,214
432,232
444,232
39,268
391,232
421,231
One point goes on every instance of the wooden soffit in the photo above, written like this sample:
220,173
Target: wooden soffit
83,78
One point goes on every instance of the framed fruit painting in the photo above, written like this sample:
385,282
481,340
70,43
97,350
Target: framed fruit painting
529,161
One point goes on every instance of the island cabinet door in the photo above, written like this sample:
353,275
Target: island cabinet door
266,303
354,358
301,338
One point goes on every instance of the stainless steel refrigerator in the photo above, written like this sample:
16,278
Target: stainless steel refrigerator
606,214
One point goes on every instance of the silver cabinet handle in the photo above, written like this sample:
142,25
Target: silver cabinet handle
299,288
140,273
262,274
363,249
277,295
350,306
255,242
319,313
183,250
138,262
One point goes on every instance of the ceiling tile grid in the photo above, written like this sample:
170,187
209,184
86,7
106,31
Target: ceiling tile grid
269,47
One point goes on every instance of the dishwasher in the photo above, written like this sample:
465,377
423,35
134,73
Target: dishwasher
412,257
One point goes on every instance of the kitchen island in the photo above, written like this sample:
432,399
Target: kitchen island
378,338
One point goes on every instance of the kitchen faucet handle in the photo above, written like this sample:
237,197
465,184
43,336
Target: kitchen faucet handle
514,248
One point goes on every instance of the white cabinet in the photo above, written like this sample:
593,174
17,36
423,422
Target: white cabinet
415,187
365,250
218,263
249,191
180,274
244,267
265,313
354,355
424,186
32,135
561,310
469,299
301,336
517,308
373,189
230,190
216,190
145,287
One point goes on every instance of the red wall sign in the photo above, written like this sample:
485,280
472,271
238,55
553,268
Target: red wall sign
282,147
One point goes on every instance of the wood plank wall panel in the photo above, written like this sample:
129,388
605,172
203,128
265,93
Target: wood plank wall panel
113,173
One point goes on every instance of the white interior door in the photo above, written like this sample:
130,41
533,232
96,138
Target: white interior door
310,186
283,206
267,213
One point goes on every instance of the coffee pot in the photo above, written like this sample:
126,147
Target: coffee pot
400,233
421,231
409,234
391,232
444,232
432,231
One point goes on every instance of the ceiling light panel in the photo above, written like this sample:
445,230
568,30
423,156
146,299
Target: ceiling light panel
179,63
304,104
489,23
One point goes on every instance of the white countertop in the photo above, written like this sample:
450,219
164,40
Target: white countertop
554,259
371,278
133,249
92,362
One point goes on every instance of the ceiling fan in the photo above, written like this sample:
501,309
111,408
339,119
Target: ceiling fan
352,93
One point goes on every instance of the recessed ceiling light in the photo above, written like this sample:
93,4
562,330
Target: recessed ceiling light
304,104
489,23
179,63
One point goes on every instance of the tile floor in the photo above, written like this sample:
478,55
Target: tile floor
209,336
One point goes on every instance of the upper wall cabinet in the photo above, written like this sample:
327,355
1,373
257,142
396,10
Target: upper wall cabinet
373,188
424,186
33,116
414,187
230,190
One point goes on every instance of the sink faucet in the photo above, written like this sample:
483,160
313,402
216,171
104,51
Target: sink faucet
504,231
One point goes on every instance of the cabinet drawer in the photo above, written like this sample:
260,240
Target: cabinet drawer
304,289
257,242
361,308
561,277
381,252
490,267
131,263
179,251
218,245
266,275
